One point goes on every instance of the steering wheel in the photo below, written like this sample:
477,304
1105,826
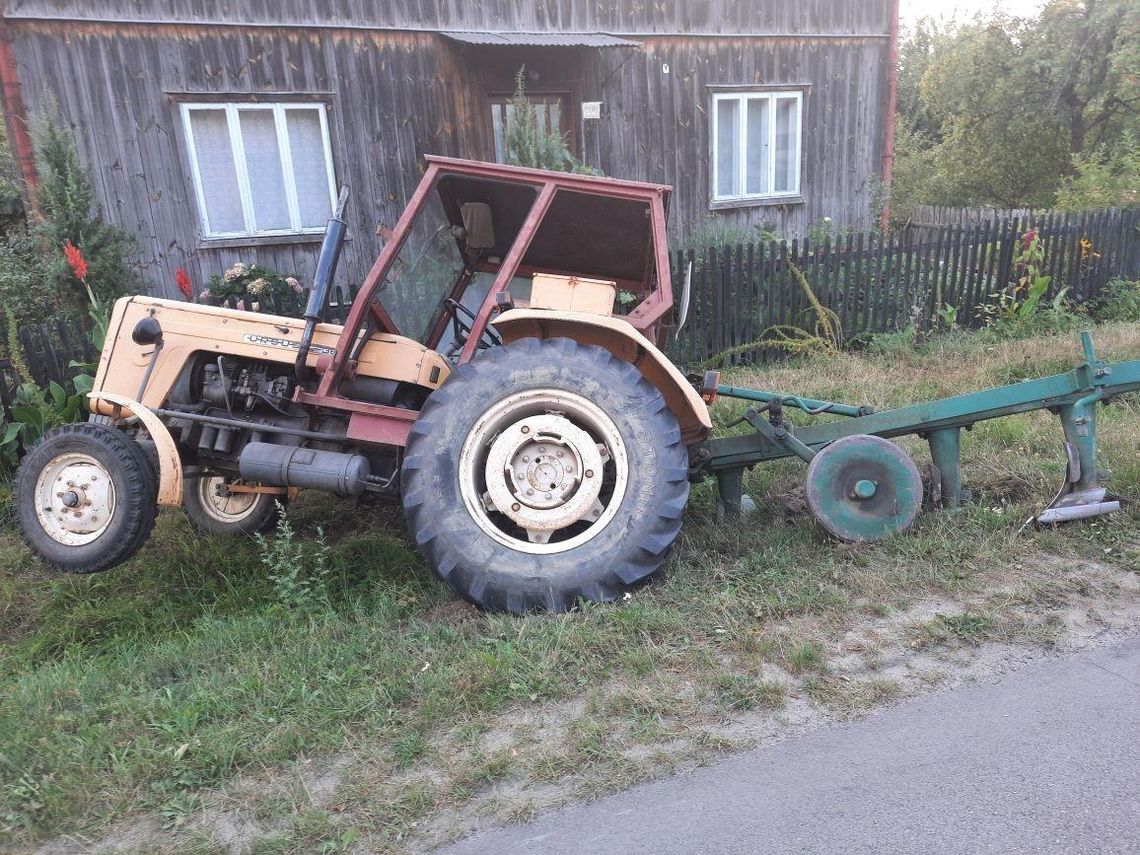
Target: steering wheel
463,328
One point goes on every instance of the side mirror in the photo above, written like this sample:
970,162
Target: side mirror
686,294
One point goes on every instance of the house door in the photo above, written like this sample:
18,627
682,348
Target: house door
552,112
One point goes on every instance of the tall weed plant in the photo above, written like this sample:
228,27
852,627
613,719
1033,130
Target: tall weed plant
298,570
1024,308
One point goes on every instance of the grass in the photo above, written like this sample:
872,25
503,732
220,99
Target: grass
189,682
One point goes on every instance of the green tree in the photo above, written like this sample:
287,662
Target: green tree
1106,178
68,212
1007,111
528,143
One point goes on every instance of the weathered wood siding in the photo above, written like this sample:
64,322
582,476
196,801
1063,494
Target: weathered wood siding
394,95
609,16
655,126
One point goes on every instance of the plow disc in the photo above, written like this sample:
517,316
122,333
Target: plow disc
863,488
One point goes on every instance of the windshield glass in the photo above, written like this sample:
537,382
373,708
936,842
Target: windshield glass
423,272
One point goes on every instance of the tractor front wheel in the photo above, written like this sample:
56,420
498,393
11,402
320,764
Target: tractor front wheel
544,472
86,497
213,509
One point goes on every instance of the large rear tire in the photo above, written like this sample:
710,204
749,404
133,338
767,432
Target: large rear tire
544,472
86,497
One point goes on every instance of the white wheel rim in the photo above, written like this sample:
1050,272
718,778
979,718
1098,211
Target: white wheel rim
222,505
543,471
75,499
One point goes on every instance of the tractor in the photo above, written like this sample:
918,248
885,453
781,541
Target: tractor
533,430
540,441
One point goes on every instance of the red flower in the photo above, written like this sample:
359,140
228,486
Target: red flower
1027,239
75,260
182,280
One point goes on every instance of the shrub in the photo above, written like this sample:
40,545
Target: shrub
36,279
27,292
1120,301
68,213
1103,179
35,411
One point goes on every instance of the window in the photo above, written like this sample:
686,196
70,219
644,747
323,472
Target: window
756,145
260,169
551,113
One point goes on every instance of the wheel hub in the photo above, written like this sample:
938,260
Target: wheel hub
545,472
75,499
222,505
542,473
548,462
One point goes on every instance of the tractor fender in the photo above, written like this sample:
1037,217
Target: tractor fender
620,338
169,463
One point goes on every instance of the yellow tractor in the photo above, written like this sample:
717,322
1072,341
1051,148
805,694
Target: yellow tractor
538,438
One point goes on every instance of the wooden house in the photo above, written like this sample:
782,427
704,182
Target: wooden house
219,130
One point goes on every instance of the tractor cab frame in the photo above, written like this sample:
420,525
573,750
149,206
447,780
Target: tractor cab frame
510,222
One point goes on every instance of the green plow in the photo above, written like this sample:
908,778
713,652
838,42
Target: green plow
861,487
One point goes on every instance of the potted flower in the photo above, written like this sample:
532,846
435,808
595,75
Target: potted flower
254,288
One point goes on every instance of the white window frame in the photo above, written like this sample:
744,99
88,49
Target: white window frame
742,98
237,151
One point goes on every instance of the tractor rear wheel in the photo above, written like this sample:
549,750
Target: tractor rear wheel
544,472
86,497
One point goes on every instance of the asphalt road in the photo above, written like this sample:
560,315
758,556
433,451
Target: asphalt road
1045,760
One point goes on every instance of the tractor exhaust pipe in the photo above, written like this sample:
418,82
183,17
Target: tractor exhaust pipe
322,281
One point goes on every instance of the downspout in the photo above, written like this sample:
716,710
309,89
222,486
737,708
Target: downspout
15,115
892,100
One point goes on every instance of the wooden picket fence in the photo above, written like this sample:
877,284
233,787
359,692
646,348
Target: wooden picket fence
879,283
874,283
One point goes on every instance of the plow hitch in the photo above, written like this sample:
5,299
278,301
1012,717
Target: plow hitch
861,487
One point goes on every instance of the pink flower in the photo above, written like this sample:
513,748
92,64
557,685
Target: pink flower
182,280
205,295
294,284
1027,239
241,305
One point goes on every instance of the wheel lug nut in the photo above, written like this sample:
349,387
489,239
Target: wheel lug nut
526,459
589,473
516,507
559,454
529,491
525,429
548,496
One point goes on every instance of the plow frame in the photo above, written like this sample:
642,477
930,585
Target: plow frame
1072,396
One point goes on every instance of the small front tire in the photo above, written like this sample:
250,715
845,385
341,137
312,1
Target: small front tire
213,510
86,497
